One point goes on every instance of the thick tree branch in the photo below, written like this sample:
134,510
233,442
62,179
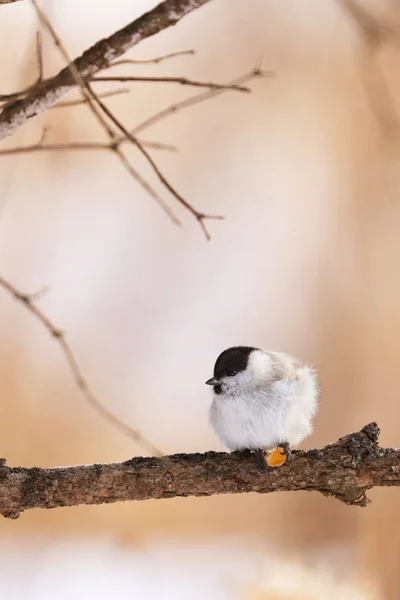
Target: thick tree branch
344,470
100,56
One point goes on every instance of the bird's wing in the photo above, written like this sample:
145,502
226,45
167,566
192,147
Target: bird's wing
285,367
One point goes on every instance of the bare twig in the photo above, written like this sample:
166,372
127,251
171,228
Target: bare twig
344,470
58,335
197,99
164,113
81,72
15,95
92,101
180,80
199,216
39,56
113,147
82,101
8,1
79,146
146,186
39,61
149,61
9,178
98,57
39,294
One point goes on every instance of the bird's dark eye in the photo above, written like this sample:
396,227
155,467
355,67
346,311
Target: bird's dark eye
232,373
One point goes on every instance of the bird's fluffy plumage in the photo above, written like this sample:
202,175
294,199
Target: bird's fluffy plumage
262,399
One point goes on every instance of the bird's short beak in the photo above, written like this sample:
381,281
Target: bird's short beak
212,381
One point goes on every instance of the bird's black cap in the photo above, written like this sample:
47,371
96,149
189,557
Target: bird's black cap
232,360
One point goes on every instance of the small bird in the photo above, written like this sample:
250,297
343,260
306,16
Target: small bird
263,401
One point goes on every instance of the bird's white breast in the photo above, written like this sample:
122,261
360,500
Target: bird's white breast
282,412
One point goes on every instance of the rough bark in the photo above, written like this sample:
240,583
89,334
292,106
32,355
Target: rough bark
344,470
48,92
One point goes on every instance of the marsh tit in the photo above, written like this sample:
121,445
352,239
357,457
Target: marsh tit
263,401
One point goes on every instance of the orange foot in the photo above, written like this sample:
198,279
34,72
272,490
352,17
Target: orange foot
277,458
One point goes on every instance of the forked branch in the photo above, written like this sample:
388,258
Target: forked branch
100,56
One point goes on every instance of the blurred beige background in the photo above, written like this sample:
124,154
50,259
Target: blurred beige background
305,169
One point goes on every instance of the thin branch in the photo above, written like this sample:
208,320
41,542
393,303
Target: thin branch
82,101
172,109
344,470
149,61
8,1
199,216
39,56
197,99
180,80
8,180
79,146
81,72
154,145
8,98
146,186
92,101
113,147
98,57
58,335
164,113
16,95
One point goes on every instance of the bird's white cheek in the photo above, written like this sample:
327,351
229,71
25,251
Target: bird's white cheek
236,386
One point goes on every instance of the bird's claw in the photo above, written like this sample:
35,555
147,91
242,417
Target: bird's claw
279,456
260,459
276,458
